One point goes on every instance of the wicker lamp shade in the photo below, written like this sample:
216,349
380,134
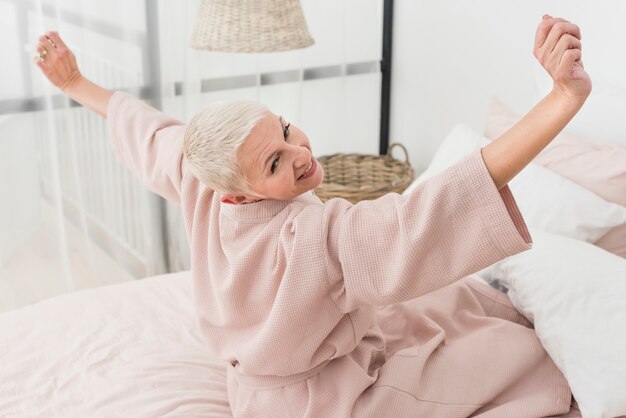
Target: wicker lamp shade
250,26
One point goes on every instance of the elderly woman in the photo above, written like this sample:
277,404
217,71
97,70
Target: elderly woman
333,309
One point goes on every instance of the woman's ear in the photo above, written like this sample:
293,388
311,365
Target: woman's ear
231,199
236,199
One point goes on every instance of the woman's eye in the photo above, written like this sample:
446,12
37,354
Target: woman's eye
286,131
274,165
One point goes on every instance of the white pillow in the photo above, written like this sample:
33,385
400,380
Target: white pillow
460,142
575,294
546,200
556,204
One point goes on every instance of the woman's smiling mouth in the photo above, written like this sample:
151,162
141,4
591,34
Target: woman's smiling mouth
310,171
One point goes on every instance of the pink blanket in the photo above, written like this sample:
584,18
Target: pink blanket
125,350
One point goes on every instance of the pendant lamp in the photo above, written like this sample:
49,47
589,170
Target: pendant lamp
250,26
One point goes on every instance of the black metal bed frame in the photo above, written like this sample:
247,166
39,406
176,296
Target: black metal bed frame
385,69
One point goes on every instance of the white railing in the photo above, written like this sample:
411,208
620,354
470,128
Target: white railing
98,193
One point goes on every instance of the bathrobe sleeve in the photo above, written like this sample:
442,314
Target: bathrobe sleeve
397,247
148,142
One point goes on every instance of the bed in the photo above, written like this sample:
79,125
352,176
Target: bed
123,350
133,349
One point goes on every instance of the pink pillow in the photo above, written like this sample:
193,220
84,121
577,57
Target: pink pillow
614,241
597,166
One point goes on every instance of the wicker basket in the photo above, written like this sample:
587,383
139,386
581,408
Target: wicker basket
357,177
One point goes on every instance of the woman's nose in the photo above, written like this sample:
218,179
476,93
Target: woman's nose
303,156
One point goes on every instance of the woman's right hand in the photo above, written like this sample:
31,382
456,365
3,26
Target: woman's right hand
57,63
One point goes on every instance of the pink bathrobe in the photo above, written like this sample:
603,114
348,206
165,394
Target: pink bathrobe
367,310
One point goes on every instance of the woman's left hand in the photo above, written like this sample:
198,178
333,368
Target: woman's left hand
56,61
558,48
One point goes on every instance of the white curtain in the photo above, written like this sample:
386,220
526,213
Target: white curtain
71,216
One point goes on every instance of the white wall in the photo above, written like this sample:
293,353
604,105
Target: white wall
339,114
450,57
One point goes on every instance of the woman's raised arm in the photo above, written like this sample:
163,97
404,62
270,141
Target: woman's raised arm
558,49
58,64
144,139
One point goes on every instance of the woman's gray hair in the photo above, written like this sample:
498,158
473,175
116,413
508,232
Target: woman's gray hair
212,139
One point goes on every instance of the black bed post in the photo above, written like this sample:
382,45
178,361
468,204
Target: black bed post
385,69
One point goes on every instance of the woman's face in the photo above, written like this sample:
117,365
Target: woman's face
277,160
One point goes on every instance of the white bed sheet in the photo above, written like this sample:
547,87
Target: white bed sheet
124,350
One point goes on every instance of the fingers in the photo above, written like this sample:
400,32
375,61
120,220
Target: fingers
48,45
56,39
46,40
566,43
551,28
554,37
557,31
544,29
39,61
570,58
45,43
41,52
